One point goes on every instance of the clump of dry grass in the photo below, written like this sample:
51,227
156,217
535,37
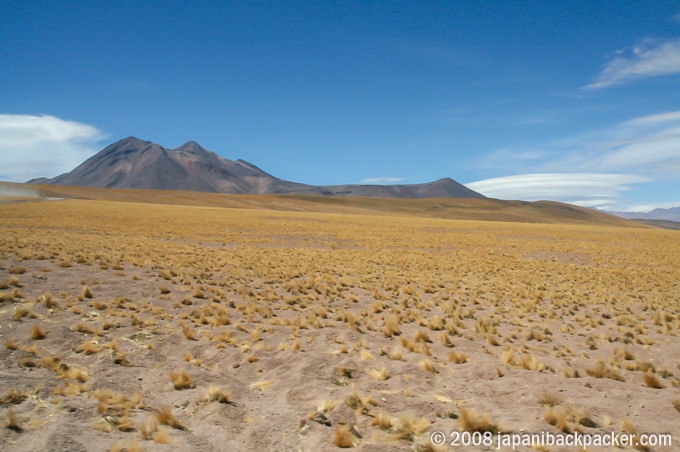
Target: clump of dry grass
164,416
346,436
392,327
603,370
472,422
147,429
652,381
13,397
38,333
22,311
85,292
181,380
457,357
428,366
381,374
568,419
409,428
12,422
360,403
676,404
548,399
217,394
87,347
11,345
161,437
16,270
383,421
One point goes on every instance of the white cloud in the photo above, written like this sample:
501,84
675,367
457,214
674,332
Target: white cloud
382,180
603,164
669,116
585,189
37,146
649,59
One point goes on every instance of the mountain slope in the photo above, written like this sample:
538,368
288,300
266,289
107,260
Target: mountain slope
671,214
137,164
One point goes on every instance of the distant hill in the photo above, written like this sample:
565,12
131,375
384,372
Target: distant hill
484,209
136,164
664,224
671,214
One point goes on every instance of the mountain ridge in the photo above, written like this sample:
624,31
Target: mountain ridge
134,163
669,214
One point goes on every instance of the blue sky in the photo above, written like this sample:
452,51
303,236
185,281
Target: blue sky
571,101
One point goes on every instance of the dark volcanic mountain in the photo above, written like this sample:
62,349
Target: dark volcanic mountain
136,164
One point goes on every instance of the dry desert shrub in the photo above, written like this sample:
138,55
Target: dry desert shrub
428,366
217,394
38,333
85,292
472,422
383,421
548,399
12,421
603,370
16,270
381,374
164,416
346,436
568,419
392,327
652,381
457,357
13,397
181,380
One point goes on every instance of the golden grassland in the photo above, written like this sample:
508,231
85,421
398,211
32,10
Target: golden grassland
254,329
450,208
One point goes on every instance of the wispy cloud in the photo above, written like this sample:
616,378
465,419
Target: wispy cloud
604,163
35,146
648,59
585,189
382,180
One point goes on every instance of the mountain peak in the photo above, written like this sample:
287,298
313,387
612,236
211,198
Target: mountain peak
190,146
140,164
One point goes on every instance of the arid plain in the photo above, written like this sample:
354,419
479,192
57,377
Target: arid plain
142,326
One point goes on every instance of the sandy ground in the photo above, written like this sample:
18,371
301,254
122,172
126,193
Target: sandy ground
305,373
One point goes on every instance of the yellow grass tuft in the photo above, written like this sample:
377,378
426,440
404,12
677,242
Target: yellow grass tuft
548,399
457,357
164,416
217,394
38,333
409,428
181,380
381,374
472,422
383,421
346,437
652,381
428,366
12,421
603,370
392,327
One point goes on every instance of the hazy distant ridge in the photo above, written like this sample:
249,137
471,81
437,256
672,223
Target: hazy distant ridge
671,214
